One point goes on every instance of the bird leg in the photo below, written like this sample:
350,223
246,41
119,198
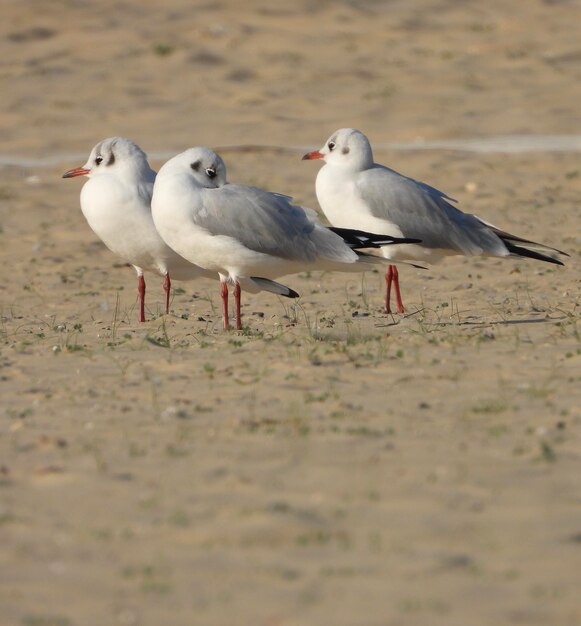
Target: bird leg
166,288
388,279
400,307
392,276
141,293
237,291
224,287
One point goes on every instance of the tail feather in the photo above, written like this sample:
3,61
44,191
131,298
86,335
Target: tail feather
357,239
266,284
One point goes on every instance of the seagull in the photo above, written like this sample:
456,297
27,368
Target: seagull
240,232
116,202
355,192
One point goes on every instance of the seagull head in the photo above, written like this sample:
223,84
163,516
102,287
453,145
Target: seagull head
115,155
346,148
203,165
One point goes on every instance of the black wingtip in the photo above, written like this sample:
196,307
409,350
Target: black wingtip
406,240
514,239
378,241
361,239
531,254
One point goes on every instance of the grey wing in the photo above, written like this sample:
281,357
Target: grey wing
432,190
262,221
145,191
311,213
424,212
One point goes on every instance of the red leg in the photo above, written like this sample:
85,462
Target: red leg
224,286
237,291
141,292
166,288
400,307
388,279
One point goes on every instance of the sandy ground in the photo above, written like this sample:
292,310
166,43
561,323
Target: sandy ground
330,464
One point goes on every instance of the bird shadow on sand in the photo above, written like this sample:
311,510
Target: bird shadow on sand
472,323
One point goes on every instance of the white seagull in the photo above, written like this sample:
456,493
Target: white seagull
241,232
116,202
355,192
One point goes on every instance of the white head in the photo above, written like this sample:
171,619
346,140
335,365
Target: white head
203,165
347,148
115,155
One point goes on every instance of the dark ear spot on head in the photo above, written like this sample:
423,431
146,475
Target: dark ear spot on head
111,159
195,165
345,150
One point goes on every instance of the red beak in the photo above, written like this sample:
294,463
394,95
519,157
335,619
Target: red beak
313,155
77,171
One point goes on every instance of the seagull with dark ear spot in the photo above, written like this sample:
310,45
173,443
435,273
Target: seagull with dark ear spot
116,202
356,192
242,232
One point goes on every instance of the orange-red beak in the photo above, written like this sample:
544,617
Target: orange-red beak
77,171
313,155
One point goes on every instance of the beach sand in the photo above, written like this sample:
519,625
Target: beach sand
330,464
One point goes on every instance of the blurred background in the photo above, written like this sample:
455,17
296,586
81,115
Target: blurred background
178,73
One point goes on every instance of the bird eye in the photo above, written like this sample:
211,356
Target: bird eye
331,145
211,172
99,160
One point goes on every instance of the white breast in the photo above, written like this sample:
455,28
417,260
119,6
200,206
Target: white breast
122,219
343,206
